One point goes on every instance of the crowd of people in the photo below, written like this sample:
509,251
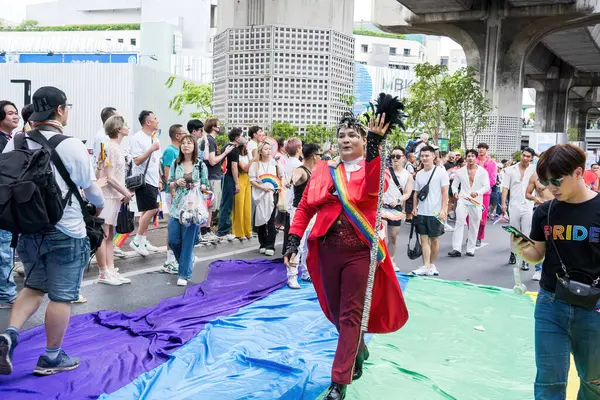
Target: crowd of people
252,187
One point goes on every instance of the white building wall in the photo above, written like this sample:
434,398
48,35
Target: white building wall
74,12
64,41
325,14
91,87
396,50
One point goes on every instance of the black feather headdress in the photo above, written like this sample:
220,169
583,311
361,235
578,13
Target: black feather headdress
349,120
393,109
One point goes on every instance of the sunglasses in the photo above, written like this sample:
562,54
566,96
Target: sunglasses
554,181
396,156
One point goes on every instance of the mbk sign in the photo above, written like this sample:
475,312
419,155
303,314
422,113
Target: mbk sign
395,85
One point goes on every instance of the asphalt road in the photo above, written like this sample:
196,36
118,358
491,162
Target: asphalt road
488,267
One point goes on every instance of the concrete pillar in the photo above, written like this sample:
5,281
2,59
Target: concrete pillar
551,111
581,124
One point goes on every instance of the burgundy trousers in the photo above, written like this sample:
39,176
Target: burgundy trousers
484,216
344,273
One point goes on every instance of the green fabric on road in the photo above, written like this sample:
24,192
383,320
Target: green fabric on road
440,355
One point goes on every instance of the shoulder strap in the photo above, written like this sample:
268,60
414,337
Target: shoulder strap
37,137
20,141
306,170
551,233
431,176
395,178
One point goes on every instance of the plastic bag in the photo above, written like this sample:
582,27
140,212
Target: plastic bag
194,211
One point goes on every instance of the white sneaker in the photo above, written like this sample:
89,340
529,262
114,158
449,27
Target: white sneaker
262,250
118,252
424,271
292,278
170,267
396,269
151,248
537,275
269,252
141,250
109,279
115,274
305,275
181,282
434,270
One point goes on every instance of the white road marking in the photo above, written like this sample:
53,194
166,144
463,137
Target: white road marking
483,244
89,282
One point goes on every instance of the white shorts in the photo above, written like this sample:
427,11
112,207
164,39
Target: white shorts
215,186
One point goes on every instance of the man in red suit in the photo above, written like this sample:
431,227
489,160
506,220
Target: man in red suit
343,193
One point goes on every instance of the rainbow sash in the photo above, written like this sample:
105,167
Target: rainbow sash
355,216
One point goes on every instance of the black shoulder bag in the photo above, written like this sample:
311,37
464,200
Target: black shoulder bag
570,291
425,189
93,224
416,251
137,181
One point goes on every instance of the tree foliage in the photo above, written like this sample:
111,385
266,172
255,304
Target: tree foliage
447,105
368,32
467,106
198,96
32,25
283,129
319,134
426,106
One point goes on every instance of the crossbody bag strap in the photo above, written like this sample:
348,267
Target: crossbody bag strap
37,137
431,176
562,264
395,179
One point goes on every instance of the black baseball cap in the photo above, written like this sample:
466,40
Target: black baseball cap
45,101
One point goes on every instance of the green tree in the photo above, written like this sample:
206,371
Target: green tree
397,137
318,133
467,105
27,25
191,94
283,129
531,115
426,106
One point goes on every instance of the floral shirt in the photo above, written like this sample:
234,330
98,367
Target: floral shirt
199,177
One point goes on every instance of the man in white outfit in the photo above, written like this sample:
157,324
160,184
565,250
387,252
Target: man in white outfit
469,186
520,210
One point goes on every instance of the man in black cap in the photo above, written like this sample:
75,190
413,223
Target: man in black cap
54,260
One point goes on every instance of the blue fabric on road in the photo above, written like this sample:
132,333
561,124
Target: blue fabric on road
280,347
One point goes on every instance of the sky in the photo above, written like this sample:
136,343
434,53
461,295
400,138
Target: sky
15,10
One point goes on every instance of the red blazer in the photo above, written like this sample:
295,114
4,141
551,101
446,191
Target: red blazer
388,309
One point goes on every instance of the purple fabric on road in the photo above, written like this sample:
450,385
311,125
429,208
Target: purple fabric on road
115,348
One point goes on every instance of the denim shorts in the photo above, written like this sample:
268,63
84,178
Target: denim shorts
54,263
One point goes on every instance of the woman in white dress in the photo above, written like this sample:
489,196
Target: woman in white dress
111,177
264,198
399,190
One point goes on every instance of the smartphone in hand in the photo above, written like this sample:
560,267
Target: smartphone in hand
517,233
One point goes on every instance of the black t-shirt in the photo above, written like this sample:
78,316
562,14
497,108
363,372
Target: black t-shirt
214,173
576,235
234,156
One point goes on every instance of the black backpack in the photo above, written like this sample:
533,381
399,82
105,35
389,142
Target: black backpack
30,199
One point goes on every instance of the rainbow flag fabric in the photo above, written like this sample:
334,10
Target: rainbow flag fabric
242,334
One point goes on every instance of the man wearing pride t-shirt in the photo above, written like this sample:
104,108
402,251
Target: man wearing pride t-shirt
570,233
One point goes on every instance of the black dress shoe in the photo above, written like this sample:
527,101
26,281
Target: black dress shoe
478,243
512,259
358,365
336,392
454,253
471,254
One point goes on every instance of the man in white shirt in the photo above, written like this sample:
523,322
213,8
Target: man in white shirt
520,210
469,186
101,137
54,260
432,211
145,150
